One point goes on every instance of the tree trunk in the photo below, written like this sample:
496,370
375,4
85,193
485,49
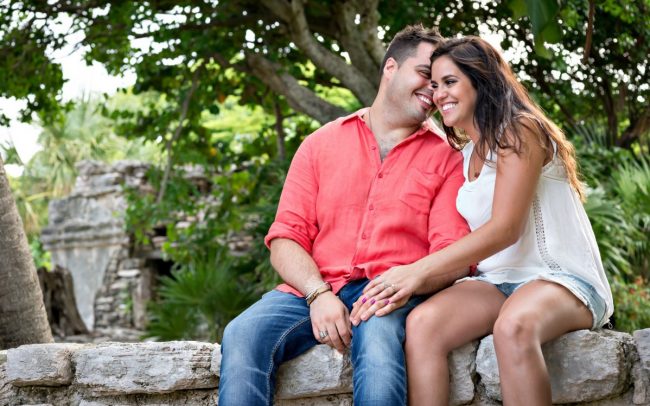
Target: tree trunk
23,319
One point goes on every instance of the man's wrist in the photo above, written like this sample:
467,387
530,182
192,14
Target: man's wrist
311,296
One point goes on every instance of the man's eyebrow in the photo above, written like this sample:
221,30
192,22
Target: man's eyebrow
425,66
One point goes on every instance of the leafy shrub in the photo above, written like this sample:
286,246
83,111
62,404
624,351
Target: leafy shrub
198,300
631,304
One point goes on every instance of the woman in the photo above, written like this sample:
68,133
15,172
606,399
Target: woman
539,272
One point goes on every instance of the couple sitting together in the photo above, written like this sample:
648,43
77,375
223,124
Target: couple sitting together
382,221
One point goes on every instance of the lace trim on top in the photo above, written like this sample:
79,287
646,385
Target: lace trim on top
541,237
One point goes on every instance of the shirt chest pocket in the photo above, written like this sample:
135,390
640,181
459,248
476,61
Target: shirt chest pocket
419,190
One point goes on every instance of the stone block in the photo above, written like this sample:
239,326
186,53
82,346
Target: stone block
215,363
318,372
132,263
330,400
642,340
192,397
128,273
7,390
462,374
41,364
641,369
117,368
584,366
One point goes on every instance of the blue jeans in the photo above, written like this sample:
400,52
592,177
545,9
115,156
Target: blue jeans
278,328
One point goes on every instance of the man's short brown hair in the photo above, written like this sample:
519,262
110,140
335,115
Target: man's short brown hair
406,42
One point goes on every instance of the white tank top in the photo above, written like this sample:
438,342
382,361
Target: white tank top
557,236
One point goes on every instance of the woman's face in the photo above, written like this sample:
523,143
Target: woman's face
453,94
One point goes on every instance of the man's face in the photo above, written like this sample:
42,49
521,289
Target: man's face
409,87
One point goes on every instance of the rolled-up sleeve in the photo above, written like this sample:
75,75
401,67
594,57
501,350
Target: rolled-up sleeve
296,216
446,225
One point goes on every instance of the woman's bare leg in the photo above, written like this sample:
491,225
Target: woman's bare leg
536,313
447,320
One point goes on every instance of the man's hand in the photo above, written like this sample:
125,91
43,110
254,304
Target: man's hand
330,321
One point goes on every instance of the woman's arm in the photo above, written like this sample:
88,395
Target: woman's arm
516,182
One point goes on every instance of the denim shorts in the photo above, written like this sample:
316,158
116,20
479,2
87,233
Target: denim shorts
577,285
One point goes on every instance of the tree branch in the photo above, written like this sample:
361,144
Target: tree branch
540,79
349,34
608,104
279,129
333,64
635,130
590,31
368,28
298,97
177,133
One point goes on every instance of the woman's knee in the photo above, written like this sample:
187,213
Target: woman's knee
424,326
515,332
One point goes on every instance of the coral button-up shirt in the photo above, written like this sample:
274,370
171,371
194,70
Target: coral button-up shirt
358,216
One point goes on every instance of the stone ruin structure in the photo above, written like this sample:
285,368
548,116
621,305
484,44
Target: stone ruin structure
86,236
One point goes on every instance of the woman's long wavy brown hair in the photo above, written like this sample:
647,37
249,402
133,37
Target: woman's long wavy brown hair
503,106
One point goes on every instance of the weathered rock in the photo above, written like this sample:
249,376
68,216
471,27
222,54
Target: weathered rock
41,364
330,400
7,391
189,397
641,370
462,373
145,367
584,366
642,340
318,372
323,371
215,363
588,368
51,395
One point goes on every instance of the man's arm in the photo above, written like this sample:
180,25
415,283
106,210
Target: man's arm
290,240
328,314
295,266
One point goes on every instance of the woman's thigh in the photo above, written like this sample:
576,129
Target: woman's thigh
456,315
546,309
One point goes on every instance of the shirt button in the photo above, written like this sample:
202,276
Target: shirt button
371,207
381,175
364,236
373,148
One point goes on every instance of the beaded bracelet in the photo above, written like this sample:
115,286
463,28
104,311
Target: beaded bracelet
325,287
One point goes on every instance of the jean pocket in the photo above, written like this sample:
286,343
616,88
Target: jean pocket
419,190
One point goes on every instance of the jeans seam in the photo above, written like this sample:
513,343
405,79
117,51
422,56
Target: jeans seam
275,348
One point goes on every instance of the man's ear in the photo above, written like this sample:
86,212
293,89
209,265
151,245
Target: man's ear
390,67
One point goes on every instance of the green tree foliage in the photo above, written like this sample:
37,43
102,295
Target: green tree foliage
197,53
212,281
617,205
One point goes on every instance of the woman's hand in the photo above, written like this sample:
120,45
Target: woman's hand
387,292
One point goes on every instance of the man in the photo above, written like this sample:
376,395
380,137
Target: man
364,193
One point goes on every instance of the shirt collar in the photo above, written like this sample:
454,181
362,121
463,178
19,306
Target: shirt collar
428,126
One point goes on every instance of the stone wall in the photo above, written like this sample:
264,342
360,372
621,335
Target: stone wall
588,368
86,232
